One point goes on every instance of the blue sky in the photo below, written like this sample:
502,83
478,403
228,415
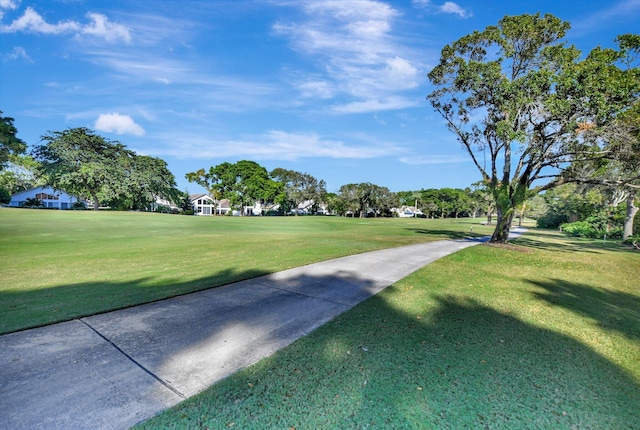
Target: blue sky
336,89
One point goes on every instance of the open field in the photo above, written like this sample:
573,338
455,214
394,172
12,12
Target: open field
544,333
63,265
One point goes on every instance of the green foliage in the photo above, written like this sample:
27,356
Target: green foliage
5,195
185,204
243,183
10,144
298,187
595,227
366,199
534,96
85,164
32,202
570,203
19,174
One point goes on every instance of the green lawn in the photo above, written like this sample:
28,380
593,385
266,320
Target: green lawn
543,334
63,265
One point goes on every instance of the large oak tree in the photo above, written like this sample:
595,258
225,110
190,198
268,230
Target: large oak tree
518,99
88,165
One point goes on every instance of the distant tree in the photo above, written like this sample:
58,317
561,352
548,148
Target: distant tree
364,198
5,195
243,183
383,201
147,179
10,144
88,165
482,198
82,163
569,203
185,202
515,93
19,174
299,187
408,198
335,204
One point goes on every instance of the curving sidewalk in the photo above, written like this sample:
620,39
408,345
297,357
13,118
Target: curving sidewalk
112,370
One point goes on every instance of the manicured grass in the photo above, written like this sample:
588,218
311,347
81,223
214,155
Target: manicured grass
541,334
58,266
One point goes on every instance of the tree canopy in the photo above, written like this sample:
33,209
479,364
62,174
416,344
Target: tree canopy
243,183
518,99
10,144
298,188
88,165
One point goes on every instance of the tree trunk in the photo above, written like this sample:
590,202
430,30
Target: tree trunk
96,202
503,225
632,209
521,216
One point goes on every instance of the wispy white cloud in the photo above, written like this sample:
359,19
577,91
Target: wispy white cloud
353,44
375,105
8,4
277,145
118,123
314,88
17,53
447,7
455,9
99,26
620,10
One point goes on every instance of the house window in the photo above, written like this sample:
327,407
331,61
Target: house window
44,196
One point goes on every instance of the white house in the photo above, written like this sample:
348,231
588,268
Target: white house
410,212
160,202
204,204
50,198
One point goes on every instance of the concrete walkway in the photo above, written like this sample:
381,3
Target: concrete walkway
113,370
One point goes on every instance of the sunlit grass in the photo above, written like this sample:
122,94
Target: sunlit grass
541,334
62,265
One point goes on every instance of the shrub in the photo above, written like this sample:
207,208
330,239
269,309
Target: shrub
579,229
593,228
32,202
5,195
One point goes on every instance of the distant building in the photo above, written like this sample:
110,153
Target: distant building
409,212
204,204
50,198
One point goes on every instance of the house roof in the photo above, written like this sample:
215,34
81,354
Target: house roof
43,188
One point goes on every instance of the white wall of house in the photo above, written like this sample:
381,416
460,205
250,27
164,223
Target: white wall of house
49,197
409,212
202,204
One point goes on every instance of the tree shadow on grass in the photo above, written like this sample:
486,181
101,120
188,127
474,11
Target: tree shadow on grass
550,242
445,234
21,310
612,310
459,365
